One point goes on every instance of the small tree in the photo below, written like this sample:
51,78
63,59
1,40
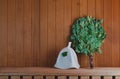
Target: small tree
87,36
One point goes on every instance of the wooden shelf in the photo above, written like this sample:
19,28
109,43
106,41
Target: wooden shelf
106,71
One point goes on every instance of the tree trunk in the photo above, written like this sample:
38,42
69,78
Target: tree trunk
91,62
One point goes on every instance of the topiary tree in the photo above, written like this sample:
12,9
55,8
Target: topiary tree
87,36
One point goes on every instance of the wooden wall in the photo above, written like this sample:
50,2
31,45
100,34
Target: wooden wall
32,32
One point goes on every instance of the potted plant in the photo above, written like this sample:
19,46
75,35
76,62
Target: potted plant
87,36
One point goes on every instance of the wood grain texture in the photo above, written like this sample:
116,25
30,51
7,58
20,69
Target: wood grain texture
27,33
115,33
38,77
107,77
19,34
117,77
32,32
11,32
61,77
3,77
73,77
27,77
3,33
96,77
84,77
50,77
51,33
67,20
15,77
43,32
47,71
59,25
35,32
107,24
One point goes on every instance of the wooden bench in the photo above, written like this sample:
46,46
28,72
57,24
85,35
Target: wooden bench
52,73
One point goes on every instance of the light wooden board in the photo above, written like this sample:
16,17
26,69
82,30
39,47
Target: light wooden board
61,77
84,77
73,77
50,77
38,77
27,77
96,77
107,77
3,77
117,77
15,77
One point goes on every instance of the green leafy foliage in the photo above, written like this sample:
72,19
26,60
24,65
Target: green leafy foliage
64,54
87,35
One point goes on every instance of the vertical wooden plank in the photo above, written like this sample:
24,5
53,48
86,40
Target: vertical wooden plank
75,9
27,33
67,20
44,32
73,77
3,77
27,77
84,77
51,33
11,32
62,77
117,77
59,25
107,27
107,77
115,33
99,58
96,77
50,77
3,33
15,77
19,33
83,8
91,8
38,77
35,32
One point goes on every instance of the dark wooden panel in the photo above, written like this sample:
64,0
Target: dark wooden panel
3,33
107,26
11,32
3,77
115,33
19,34
59,25
51,33
36,32
27,33
44,32
67,20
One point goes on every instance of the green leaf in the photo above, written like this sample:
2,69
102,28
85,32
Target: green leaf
64,54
